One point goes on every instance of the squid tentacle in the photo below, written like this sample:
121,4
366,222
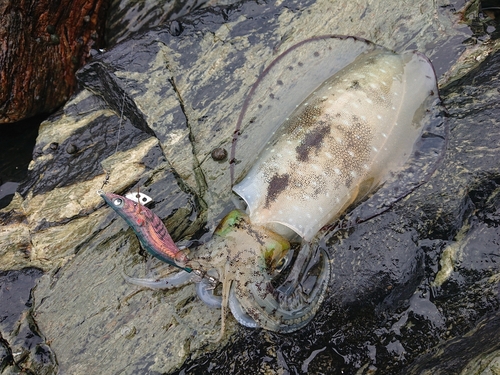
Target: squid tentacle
169,282
300,284
289,308
239,313
205,290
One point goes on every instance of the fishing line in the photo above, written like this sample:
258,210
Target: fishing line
106,179
120,125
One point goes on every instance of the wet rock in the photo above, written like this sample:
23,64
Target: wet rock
136,124
476,353
16,147
22,345
129,17
43,46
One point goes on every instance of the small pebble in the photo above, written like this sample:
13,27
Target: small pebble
175,28
219,154
128,332
71,149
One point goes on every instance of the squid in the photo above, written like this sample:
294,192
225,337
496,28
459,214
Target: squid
336,136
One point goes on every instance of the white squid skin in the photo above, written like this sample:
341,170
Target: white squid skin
340,144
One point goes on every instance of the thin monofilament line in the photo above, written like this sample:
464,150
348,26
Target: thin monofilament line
120,125
106,179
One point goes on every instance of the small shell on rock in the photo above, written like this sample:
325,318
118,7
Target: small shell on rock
219,154
71,149
175,28
128,332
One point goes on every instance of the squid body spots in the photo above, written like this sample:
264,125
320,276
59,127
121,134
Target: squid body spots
277,185
361,106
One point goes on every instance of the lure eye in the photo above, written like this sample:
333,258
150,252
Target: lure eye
117,201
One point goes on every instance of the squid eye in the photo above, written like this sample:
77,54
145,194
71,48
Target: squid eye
281,264
117,201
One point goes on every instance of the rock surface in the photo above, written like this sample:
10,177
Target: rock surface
128,17
179,97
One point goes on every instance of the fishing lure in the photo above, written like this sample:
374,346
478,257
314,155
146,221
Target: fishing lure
148,227
337,134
